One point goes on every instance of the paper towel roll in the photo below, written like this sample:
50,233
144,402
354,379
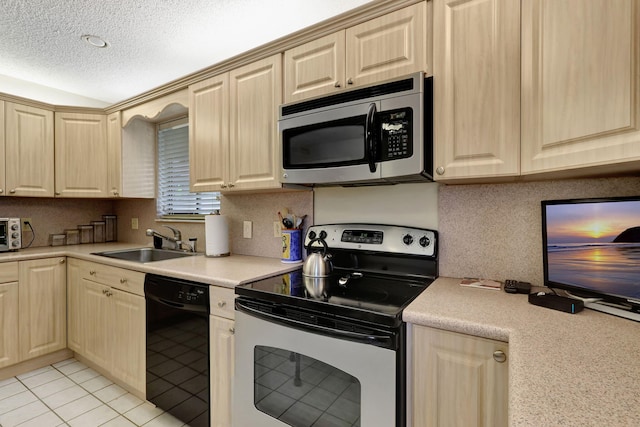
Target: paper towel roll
216,230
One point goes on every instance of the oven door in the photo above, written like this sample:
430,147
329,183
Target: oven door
289,376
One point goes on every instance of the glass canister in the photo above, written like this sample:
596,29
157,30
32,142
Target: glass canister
111,228
73,236
98,231
86,233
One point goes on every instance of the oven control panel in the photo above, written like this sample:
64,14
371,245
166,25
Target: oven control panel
374,237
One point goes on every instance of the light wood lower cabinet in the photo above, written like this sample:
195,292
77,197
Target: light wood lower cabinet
107,320
222,341
9,349
458,380
43,306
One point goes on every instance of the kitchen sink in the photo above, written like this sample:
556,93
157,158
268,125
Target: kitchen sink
144,254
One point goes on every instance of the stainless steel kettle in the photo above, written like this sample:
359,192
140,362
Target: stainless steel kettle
318,264
316,270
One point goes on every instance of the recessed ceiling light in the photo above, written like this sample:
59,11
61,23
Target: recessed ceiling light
96,41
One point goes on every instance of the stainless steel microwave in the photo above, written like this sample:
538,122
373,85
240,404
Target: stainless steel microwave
10,234
371,135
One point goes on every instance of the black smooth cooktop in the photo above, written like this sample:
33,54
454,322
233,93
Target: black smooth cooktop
374,298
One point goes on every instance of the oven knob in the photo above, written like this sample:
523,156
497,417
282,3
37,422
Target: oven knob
14,243
312,235
424,241
15,235
323,234
407,239
14,226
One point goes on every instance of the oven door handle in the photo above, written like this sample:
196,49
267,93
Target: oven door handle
381,340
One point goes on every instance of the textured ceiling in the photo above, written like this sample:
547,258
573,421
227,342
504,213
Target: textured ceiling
151,42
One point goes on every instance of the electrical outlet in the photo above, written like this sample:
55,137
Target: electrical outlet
134,223
24,222
277,229
246,229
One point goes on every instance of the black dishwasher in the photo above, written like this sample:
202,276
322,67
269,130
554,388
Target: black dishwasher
178,347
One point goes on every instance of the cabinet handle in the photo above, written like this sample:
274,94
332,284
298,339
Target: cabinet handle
350,81
13,190
109,293
57,193
440,170
104,291
337,84
62,261
223,185
222,303
232,331
115,192
499,356
92,272
123,281
231,185
1,191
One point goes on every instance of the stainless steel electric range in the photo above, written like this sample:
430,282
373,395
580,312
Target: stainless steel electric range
332,351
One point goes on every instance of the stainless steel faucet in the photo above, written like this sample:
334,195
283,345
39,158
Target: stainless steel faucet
176,240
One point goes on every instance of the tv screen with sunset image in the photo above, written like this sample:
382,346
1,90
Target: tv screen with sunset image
593,245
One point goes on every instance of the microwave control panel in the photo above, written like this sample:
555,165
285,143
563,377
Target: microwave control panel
396,134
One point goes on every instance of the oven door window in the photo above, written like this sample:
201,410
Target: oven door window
336,143
300,390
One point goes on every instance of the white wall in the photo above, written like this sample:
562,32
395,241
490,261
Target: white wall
414,205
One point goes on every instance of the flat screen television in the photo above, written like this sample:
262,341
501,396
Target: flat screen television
591,249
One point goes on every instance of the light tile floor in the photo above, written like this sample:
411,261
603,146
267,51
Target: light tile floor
71,394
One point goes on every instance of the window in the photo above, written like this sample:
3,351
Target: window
174,198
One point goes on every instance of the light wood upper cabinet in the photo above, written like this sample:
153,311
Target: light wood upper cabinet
580,84
114,154
458,380
254,154
29,150
43,306
233,139
476,88
2,152
209,133
383,48
81,155
9,329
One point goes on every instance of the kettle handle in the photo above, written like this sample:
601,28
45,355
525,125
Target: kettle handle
324,244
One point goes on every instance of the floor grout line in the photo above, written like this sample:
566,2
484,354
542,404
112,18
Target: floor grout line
23,381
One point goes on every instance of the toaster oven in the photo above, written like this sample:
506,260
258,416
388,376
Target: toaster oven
10,234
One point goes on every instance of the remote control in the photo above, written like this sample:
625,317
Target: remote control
516,287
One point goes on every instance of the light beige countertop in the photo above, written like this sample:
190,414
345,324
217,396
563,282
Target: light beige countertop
224,271
564,369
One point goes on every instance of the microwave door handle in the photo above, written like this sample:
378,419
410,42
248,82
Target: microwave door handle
370,137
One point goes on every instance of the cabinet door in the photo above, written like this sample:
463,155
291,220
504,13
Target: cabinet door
390,46
81,155
209,134
29,150
74,306
127,338
477,88
9,353
114,154
457,381
256,93
580,85
222,367
43,306
95,322
2,150
315,68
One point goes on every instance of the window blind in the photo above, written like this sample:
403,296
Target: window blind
174,199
